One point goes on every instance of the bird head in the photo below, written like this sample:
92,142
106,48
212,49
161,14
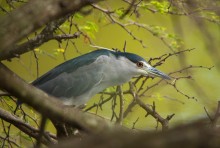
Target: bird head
147,70
143,67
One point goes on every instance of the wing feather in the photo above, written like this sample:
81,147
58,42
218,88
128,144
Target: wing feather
74,77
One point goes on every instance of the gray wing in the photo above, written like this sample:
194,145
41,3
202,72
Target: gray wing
75,83
70,66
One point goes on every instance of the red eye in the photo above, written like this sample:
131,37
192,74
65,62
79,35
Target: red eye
140,64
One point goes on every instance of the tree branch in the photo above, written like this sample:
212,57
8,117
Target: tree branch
50,106
43,11
26,128
45,35
193,135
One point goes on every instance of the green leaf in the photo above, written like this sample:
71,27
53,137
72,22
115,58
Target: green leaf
119,12
157,6
89,28
161,7
78,16
110,89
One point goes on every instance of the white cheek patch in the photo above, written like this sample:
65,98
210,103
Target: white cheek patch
143,72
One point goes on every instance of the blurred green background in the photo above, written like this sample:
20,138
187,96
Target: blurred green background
204,85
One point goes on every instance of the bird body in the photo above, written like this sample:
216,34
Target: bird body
77,80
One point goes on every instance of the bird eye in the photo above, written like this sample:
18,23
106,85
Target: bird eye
140,64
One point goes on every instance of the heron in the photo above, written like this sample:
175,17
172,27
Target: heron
79,79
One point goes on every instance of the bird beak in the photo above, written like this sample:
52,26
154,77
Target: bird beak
156,73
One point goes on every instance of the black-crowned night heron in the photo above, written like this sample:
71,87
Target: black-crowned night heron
77,80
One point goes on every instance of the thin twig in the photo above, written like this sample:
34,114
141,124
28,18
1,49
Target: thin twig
121,108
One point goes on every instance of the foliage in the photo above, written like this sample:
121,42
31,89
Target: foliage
141,99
